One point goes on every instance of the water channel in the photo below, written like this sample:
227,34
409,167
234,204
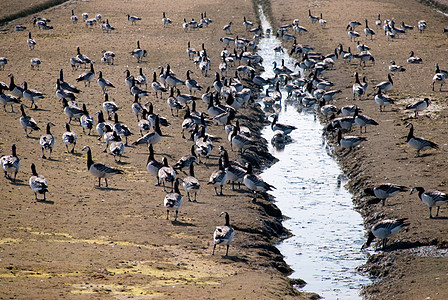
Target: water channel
327,232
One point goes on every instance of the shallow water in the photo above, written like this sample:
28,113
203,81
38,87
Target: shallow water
327,233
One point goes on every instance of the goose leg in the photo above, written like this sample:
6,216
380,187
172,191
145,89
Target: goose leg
43,154
167,213
227,251
213,252
66,146
105,179
175,218
99,182
437,214
73,149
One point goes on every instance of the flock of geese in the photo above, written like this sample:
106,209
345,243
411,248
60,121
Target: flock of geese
223,98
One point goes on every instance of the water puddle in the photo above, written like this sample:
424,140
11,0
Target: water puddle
327,233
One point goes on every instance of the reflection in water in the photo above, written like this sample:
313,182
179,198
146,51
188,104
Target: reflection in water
328,233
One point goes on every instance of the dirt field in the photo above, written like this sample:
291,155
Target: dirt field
90,242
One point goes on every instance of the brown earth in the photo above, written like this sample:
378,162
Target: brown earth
91,242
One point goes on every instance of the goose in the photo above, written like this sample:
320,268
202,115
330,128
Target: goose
165,20
69,137
396,68
184,99
11,163
71,111
330,95
86,120
74,18
135,90
363,121
35,63
228,28
357,88
352,35
171,79
85,16
173,200
173,103
153,166
144,124
417,142
137,107
187,160
348,110
192,85
383,100
3,62
64,94
98,169
322,21
227,40
38,183
352,25
204,145
65,85
385,85
121,129
185,25
328,110
414,59
421,25
47,141
254,182
83,58
75,63
223,234
116,147
193,24
349,141
287,129
167,174
152,137
87,77
362,47
27,121
258,80
378,21
240,141
431,198
129,80
15,90
247,24
6,99
444,72
133,19
31,95
152,116
141,78
108,56
139,53
91,22
384,190
19,28
101,127
191,51
312,18
438,77
419,106
31,42
104,83
235,172
384,229
364,57
218,177
369,31
406,27
191,184
109,106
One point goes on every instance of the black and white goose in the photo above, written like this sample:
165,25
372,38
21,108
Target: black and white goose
71,111
27,122
6,99
31,95
383,100
157,86
103,82
170,79
152,137
137,108
349,141
87,77
64,94
116,147
414,59
47,141
153,166
393,67
438,77
98,169
109,106
384,190
223,234
254,182
121,129
192,84
65,85
173,200
86,120
191,184
418,142
74,18
133,19
15,90
139,53
357,88
11,163
218,177
235,171
69,138
287,129
431,198
167,174
369,31
173,103
38,183
187,160
363,121
240,141
101,127
384,86
31,42
385,229
419,106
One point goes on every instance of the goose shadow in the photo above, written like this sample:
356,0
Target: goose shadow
234,258
18,182
51,159
122,163
180,223
45,201
425,155
33,137
438,218
108,188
